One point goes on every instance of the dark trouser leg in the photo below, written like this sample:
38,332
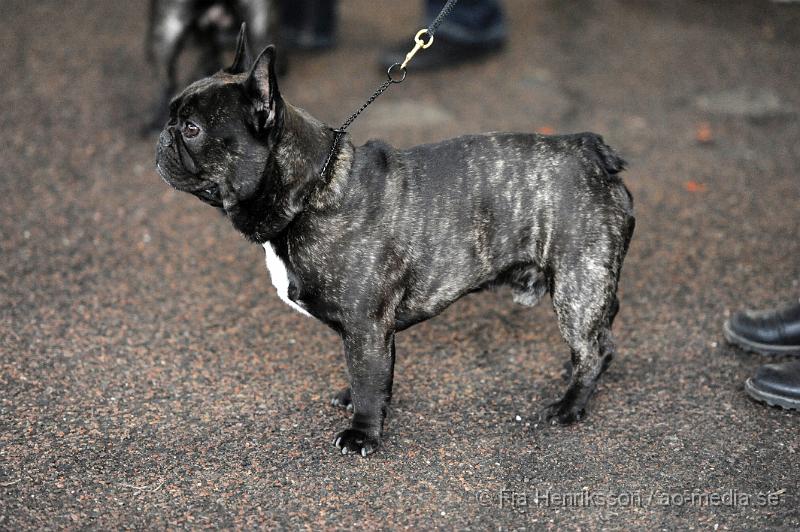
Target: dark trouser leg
309,24
471,22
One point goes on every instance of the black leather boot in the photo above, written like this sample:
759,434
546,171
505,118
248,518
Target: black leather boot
770,332
776,385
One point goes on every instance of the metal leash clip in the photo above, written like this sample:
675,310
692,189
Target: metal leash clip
397,72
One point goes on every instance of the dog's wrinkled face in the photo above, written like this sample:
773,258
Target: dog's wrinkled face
221,131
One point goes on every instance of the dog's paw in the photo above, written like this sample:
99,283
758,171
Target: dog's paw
343,399
562,412
354,441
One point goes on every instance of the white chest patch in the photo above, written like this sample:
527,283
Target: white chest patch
280,280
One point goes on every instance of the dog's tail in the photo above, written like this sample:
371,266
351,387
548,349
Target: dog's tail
606,156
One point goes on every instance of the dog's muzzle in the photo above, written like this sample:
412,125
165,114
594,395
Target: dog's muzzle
172,169
166,164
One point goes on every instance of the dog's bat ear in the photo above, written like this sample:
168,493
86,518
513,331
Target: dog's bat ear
262,85
242,60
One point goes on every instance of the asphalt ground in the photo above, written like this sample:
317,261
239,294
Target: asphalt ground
151,378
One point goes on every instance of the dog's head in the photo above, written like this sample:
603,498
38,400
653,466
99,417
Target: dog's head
222,130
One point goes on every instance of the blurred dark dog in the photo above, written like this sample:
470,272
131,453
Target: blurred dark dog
380,239
210,25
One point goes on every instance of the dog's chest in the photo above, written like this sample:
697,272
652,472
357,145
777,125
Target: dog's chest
280,278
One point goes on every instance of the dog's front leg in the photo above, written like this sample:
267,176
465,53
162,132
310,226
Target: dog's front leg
370,362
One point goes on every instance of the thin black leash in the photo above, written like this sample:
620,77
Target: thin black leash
396,74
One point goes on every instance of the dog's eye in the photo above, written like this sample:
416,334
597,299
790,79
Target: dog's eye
190,130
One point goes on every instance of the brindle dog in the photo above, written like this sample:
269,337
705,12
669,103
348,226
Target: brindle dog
387,238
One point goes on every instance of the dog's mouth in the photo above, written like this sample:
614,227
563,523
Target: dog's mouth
209,195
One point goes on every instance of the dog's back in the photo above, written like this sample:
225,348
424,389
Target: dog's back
541,185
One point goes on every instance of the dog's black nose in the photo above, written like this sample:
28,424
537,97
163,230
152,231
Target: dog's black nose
165,139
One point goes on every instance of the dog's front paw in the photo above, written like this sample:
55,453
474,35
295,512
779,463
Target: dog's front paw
343,399
562,412
352,441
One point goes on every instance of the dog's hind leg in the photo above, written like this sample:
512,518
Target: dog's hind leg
607,349
606,341
584,299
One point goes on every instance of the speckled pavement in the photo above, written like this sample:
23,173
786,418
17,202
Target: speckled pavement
151,378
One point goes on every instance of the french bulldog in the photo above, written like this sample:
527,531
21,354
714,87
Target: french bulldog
386,238
212,26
